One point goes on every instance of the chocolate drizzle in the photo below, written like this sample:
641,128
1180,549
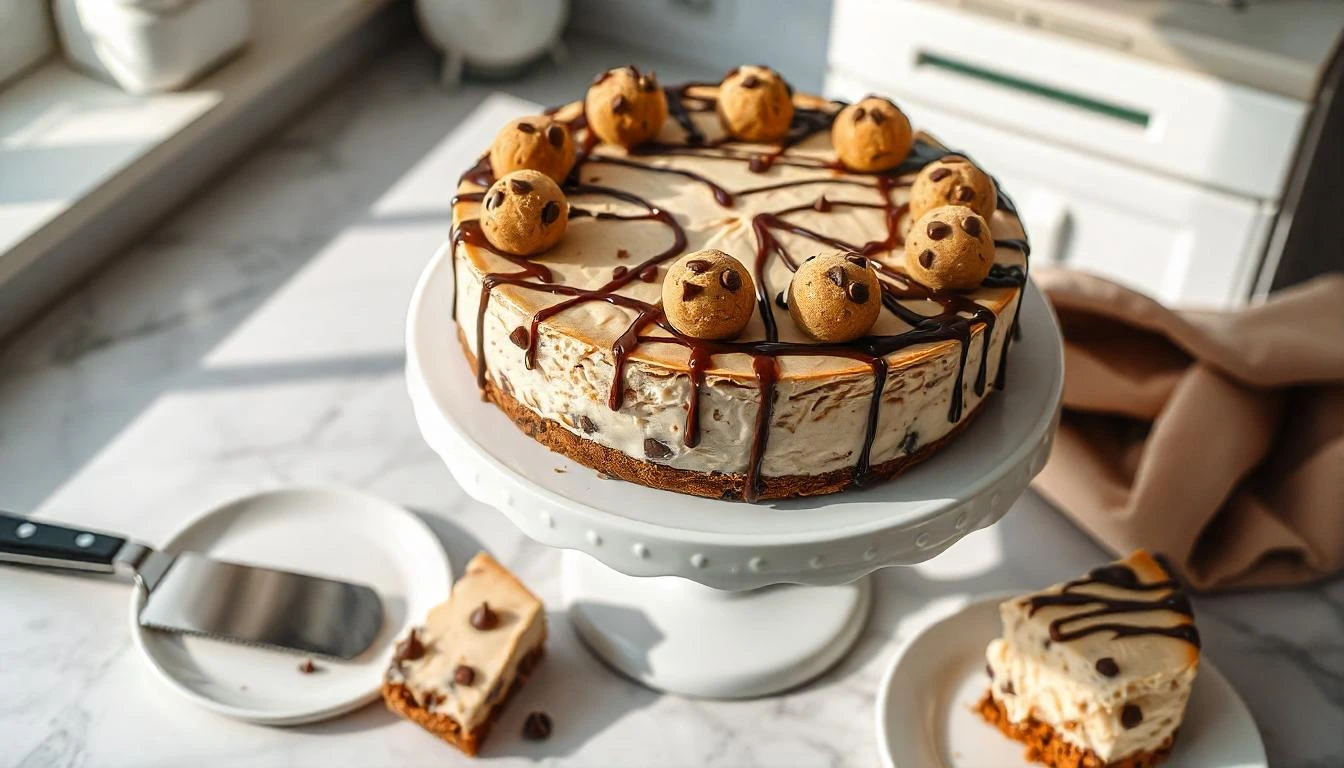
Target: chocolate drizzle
955,321
1119,577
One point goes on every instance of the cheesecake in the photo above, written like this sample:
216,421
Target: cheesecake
574,344
1096,671
453,674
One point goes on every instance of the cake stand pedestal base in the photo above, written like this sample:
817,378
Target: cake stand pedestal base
678,636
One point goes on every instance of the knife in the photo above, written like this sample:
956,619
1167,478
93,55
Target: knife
193,594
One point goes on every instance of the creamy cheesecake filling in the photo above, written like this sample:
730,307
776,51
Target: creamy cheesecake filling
817,425
1028,687
450,641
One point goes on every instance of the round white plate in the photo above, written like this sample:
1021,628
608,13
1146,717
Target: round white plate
925,717
340,534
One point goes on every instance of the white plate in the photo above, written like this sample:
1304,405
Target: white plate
925,717
326,532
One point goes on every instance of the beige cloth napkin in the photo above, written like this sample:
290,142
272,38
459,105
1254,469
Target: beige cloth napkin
1216,439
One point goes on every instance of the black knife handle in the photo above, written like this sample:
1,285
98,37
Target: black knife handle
37,543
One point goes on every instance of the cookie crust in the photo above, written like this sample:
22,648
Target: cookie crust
1045,747
399,700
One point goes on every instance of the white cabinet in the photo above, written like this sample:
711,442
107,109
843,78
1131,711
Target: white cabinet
1166,180
1173,240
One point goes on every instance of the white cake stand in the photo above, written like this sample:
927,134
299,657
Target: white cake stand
722,629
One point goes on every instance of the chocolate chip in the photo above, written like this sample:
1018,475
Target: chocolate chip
858,293
909,442
484,618
550,212
620,105
409,649
926,259
648,83
519,186
519,337
621,253
859,113
556,135
1009,689
937,230
972,226
586,424
751,81
857,260
307,667
649,273
1107,667
1131,716
464,675
939,174
698,266
494,200
964,194
655,449
537,726
822,205
619,271
527,128
1046,644
837,275
780,301
878,118
690,290
730,279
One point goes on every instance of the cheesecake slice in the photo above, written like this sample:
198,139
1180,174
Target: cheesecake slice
453,675
1096,671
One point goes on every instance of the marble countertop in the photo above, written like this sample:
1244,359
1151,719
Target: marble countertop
254,340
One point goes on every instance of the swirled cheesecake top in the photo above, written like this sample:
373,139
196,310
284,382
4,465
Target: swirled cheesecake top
771,206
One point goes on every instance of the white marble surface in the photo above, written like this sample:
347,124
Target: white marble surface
255,341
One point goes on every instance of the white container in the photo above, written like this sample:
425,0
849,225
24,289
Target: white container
492,36
26,30
146,46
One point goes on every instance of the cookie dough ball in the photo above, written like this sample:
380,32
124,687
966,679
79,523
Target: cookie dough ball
835,297
871,135
949,249
755,104
625,107
523,213
953,180
533,143
708,295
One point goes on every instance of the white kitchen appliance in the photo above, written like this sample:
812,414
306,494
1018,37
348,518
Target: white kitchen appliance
1172,146
147,46
492,37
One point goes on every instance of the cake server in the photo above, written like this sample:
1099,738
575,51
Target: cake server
194,594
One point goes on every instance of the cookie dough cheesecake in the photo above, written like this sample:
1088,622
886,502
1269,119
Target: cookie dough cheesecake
1096,671
734,290
453,675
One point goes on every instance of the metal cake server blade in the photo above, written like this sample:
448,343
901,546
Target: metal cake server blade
194,594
